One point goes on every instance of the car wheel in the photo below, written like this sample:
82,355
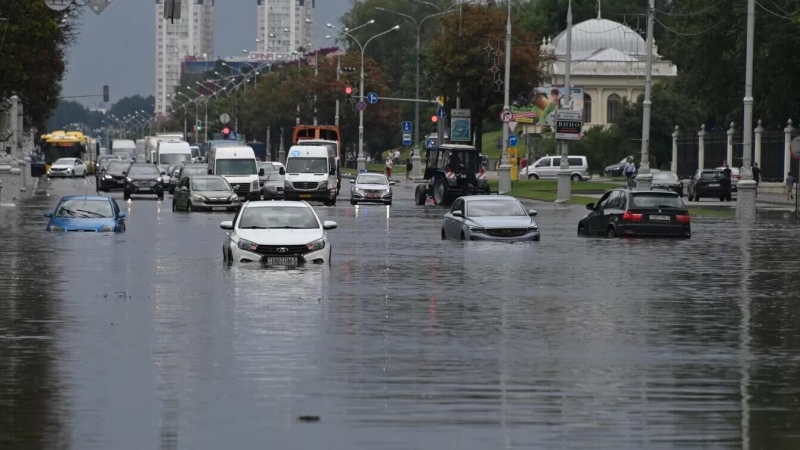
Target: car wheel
83,175
230,256
388,203
419,195
160,198
444,235
126,196
728,198
333,202
171,190
533,176
611,233
438,191
122,228
224,255
189,207
576,177
691,198
174,208
581,231
353,202
73,174
696,197
463,238
722,198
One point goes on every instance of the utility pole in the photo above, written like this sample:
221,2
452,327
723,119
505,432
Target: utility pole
269,153
505,168
338,75
564,192
645,178
746,195
416,160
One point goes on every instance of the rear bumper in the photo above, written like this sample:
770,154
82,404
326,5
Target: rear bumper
655,230
711,191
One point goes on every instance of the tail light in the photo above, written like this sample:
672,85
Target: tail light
631,217
683,219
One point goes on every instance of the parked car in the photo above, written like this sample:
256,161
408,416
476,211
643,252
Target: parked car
663,179
205,193
489,218
371,188
549,166
637,213
67,167
144,178
273,186
86,213
186,170
709,183
287,233
38,166
736,175
112,176
616,170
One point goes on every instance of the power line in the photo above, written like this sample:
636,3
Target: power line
695,13
780,9
692,34
773,13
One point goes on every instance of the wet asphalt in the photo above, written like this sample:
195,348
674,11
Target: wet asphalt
146,340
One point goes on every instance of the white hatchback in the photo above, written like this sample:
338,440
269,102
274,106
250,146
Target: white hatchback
277,234
67,167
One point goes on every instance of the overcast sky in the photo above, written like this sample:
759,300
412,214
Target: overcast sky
116,48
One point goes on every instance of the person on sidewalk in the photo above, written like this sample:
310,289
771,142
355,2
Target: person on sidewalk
389,164
789,186
629,170
756,175
409,165
727,180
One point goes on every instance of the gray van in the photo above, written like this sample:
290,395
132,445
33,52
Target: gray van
549,166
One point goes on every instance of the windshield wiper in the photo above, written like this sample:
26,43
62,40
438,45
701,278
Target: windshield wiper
66,210
96,214
254,227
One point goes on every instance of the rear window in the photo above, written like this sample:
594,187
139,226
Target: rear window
657,200
711,175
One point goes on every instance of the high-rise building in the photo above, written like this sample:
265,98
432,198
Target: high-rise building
282,26
190,37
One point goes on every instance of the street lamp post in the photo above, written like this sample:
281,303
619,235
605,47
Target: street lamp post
564,189
361,163
504,185
645,178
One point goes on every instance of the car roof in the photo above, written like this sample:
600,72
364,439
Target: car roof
647,191
269,203
206,177
496,198
85,197
457,147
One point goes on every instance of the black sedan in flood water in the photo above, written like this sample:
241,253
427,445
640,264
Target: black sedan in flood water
634,213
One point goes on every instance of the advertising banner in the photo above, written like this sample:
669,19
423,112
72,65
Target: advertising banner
545,101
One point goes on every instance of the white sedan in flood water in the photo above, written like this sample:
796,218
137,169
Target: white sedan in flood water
489,218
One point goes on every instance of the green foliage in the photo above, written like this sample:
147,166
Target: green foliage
69,112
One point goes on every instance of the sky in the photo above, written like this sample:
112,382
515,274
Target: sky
117,47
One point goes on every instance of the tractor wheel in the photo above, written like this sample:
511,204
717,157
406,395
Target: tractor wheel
439,190
419,195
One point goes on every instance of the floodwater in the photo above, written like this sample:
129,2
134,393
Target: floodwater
146,340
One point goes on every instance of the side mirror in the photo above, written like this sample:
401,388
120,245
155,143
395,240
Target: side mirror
226,225
124,172
282,171
163,172
391,183
352,181
261,172
48,214
183,189
329,225
122,215
532,212
458,213
590,206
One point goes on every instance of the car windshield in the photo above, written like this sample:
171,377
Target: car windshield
143,171
274,176
65,161
712,175
372,179
463,161
117,167
484,208
268,167
664,176
307,165
86,209
194,170
657,200
173,158
236,167
287,217
210,184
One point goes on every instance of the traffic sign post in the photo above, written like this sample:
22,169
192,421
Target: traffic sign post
569,125
512,140
407,126
224,119
406,138
361,105
441,114
372,98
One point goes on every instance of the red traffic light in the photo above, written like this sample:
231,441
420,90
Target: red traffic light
348,90
434,118
226,130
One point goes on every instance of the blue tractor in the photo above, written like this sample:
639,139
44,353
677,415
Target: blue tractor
452,170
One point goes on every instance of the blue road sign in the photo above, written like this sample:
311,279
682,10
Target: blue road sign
233,136
407,127
361,105
406,138
431,143
441,114
372,98
512,140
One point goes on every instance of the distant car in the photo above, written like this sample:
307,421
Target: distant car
269,167
709,183
186,170
637,213
616,170
144,178
371,188
204,193
86,213
549,166
273,186
489,218
669,181
102,162
287,233
38,166
67,167
736,175
112,175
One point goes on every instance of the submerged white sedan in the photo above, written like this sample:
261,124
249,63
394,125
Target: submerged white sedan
67,167
287,233
489,218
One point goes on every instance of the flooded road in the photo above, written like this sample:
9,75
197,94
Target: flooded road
146,340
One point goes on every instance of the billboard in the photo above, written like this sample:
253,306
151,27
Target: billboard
545,101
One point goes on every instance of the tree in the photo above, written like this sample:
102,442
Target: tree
132,105
470,53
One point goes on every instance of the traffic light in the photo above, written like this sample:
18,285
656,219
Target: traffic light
199,127
434,118
226,132
348,90
106,96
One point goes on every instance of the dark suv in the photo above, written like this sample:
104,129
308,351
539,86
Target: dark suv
709,183
141,178
637,213
111,175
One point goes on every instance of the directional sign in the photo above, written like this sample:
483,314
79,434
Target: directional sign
506,115
234,136
372,98
431,143
569,125
224,118
98,5
361,105
512,126
440,99
460,129
406,138
459,112
512,140
440,113
407,126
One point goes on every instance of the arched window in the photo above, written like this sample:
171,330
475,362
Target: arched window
613,105
587,108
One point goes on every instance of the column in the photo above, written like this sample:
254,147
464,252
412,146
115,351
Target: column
701,147
759,131
729,154
601,118
673,167
787,148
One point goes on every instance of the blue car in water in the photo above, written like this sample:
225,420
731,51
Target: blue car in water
87,213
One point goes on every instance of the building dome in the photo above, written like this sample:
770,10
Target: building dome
595,35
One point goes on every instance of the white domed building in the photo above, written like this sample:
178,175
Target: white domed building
608,62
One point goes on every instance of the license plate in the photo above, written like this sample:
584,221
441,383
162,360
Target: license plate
713,185
373,196
219,208
282,262
305,195
659,217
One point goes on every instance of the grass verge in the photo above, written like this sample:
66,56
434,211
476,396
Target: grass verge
712,212
552,186
542,191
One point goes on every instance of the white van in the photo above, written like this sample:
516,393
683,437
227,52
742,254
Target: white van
123,147
172,153
141,154
237,164
549,166
310,174
333,151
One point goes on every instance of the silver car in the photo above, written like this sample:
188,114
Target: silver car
273,186
550,166
489,218
204,193
185,170
371,188
269,167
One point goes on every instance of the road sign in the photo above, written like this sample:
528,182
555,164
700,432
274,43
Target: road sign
512,140
440,99
224,118
795,147
406,138
440,113
506,116
569,125
234,136
58,5
431,143
459,112
512,126
372,98
407,126
460,128
361,105
98,5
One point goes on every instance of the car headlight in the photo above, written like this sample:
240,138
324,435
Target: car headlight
55,228
199,198
359,190
159,180
129,180
107,229
477,230
107,177
533,228
255,185
247,245
234,197
316,245
287,185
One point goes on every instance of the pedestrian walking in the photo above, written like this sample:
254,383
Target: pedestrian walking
727,178
389,164
397,157
629,170
756,176
409,165
789,186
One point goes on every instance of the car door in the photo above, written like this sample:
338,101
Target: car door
554,167
594,219
76,168
451,225
612,214
540,167
181,195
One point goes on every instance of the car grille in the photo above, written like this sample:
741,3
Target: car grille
506,232
57,169
372,191
116,177
241,188
218,201
144,183
282,250
309,185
